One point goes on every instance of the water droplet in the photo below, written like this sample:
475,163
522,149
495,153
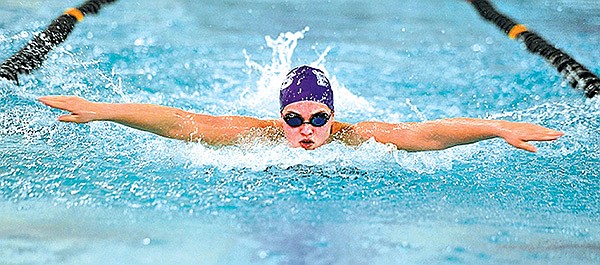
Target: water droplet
263,254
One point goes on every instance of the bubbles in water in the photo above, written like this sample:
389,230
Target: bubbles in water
478,48
414,108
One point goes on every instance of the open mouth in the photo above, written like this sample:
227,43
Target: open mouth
306,143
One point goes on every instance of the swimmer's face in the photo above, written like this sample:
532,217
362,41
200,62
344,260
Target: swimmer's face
307,135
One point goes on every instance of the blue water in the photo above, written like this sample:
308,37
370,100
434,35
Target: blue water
101,193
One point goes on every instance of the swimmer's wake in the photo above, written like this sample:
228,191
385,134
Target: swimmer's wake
34,53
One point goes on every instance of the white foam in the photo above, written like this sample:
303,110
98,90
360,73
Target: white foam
259,156
264,96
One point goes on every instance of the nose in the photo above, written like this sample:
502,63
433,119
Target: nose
306,129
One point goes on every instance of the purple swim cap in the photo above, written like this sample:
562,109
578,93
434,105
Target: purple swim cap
305,83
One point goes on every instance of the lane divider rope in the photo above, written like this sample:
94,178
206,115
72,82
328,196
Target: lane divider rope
35,52
578,76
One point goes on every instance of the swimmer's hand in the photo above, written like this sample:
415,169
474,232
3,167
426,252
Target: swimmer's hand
82,111
518,134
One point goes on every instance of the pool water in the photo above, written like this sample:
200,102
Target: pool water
101,193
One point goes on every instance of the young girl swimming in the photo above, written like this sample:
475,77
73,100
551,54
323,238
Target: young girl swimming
306,121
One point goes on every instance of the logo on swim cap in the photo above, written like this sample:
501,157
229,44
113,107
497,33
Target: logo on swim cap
288,80
321,78
305,83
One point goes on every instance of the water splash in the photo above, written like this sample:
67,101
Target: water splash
273,73
258,156
575,119
416,110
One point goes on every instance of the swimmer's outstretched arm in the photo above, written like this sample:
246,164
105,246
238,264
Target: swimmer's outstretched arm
165,121
445,133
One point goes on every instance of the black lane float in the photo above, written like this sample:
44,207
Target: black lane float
575,73
34,53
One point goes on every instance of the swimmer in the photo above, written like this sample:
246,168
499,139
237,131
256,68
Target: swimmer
306,120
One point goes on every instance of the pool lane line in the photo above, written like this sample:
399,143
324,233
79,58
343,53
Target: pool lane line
34,53
578,76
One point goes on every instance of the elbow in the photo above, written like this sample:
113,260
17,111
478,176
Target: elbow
439,147
182,128
430,145
181,134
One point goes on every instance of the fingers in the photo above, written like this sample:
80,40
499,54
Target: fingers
49,99
72,104
523,142
550,135
57,102
518,143
526,146
69,118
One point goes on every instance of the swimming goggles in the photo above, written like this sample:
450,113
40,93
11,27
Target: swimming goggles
295,120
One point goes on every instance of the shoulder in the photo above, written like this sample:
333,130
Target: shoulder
268,132
355,134
339,127
269,128
237,122
347,133
364,129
